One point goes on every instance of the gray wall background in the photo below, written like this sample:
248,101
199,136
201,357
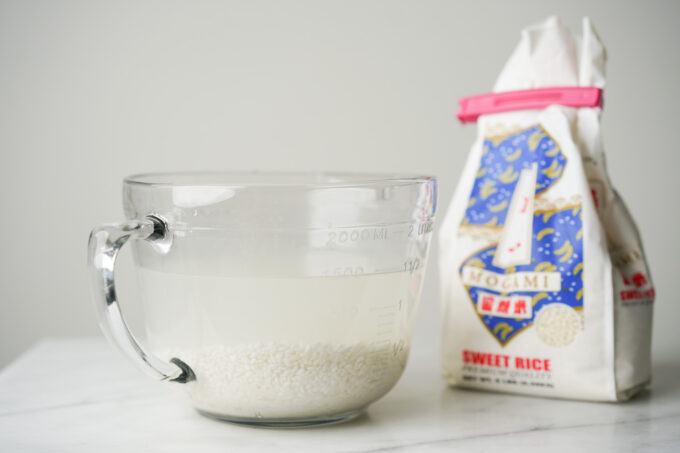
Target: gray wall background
92,91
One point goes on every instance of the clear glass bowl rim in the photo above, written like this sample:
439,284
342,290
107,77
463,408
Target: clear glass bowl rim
274,179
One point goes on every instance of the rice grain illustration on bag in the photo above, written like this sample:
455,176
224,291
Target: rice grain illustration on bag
544,283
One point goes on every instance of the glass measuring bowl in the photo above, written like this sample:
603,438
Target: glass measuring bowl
275,299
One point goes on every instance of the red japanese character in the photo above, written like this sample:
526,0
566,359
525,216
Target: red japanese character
639,279
487,303
503,306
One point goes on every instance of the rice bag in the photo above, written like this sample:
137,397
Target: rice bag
545,286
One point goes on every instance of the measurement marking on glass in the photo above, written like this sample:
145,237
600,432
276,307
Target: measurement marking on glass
419,229
358,235
388,269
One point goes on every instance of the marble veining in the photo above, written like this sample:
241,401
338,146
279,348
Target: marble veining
81,396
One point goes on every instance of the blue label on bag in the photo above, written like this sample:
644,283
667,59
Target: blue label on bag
550,268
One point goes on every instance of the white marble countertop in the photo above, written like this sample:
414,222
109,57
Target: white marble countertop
82,396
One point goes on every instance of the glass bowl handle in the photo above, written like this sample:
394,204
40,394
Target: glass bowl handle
103,246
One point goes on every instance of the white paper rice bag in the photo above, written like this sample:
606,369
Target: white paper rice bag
545,286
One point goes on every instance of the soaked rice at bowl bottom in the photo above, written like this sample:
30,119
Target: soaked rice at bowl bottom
273,380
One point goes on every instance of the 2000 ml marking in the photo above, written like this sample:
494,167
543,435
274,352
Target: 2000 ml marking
358,235
377,234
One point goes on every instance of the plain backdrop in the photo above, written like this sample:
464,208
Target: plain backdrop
92,91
